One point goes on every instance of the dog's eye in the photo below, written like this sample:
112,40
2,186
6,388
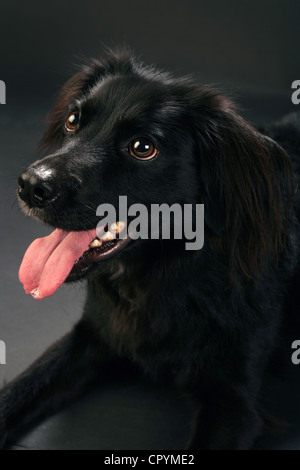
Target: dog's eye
143,149
72,122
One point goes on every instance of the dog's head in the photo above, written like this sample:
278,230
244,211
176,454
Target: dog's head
120,128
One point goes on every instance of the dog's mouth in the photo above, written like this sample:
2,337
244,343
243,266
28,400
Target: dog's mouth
67,256
99,249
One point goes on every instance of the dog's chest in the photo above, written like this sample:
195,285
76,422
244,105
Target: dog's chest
121,310
145,322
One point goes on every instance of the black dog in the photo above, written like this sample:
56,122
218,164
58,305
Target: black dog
207,319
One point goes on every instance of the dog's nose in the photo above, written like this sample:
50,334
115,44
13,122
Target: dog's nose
35,190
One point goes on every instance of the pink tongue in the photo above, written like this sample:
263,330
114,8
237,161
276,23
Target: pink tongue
48,261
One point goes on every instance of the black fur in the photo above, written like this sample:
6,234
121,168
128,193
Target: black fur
205,320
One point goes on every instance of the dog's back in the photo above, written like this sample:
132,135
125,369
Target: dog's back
286,132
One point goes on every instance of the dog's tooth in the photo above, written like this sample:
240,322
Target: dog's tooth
95,243
108,236
117,227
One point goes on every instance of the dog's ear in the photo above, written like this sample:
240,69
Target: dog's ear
56,118
112,61
246,183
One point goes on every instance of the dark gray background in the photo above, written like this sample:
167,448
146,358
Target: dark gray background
249,49
248,44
